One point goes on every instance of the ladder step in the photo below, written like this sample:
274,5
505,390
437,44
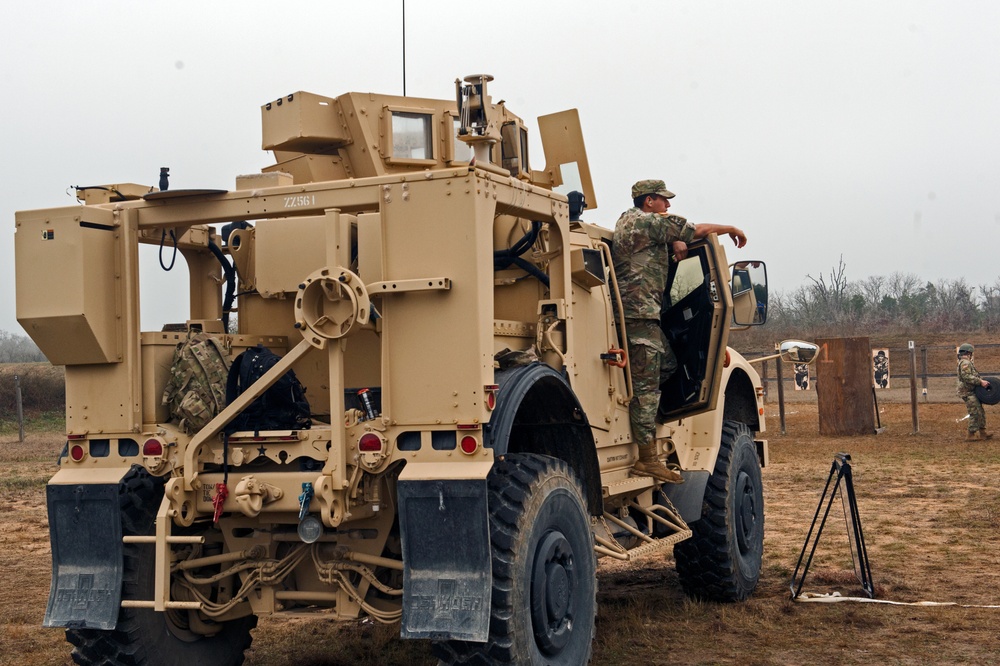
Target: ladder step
628,484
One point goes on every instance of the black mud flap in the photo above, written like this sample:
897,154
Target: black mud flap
447,579
86,535
689,496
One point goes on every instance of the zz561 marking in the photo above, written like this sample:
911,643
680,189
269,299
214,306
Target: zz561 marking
300,200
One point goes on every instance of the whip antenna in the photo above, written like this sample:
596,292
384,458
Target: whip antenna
404,48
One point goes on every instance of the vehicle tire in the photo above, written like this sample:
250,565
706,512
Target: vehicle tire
144,636
544,585
722,560
991,395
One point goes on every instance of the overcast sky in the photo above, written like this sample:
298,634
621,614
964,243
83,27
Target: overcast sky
863,129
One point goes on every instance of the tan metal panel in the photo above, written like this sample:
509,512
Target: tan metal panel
562,143
66,284
304,122
435,367
286,252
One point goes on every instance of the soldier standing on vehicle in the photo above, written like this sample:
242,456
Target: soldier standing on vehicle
968,380
644,238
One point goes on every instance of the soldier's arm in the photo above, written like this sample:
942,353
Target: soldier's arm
702,230
680,249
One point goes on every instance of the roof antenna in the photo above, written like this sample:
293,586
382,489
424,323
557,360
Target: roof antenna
404,48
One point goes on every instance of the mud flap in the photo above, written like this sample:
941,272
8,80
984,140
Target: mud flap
447,580
688,497
86,536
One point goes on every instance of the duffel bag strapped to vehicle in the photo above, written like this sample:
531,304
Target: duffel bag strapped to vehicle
282,407
196,392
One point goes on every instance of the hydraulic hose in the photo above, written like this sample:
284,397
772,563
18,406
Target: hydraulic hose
230,272
512,255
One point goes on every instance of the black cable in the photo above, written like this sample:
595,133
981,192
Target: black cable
173,259
230,272
81,188
504,258
532,269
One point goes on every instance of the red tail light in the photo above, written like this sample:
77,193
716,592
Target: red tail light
152,447
370,442
77,452
490,391
469,444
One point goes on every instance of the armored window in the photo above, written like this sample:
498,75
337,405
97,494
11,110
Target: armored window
689,276
412,136
514,147
460,150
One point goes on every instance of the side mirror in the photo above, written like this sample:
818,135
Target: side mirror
749,289
798,351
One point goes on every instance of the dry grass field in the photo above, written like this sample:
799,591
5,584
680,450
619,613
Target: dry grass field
929,508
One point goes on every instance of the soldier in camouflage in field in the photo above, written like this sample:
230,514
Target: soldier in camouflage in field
645,237
968,380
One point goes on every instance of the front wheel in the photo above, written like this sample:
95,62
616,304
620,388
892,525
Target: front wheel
722,560
544,586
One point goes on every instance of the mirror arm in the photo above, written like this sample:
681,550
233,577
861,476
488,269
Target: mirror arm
761,359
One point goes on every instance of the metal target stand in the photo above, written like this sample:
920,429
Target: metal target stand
841,469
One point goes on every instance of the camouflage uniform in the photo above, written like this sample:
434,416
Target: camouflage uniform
968,380
641,254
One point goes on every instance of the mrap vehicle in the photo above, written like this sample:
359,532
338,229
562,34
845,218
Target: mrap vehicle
465,453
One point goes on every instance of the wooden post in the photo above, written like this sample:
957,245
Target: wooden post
763,376
913,386
20,411
844,396
923,371
781,394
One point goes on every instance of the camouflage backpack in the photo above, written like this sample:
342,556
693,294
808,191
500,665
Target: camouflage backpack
196,392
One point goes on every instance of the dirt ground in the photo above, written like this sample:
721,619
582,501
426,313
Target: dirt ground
929,509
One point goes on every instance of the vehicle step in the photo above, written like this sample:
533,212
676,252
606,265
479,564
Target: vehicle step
628,484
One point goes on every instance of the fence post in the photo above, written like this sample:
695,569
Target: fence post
763,369
20,411
913,385
781,394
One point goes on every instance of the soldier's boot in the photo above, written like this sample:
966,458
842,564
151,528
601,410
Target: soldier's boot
971,436
650,465
983,434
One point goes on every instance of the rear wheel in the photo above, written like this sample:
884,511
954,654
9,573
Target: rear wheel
144,636
544,586
722,560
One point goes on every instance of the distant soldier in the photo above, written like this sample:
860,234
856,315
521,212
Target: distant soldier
968,380
645,236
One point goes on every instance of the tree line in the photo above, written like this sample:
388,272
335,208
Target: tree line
16,348
834,305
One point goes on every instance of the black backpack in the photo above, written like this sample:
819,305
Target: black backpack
281,407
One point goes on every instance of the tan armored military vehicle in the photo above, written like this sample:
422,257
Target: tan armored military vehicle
465,454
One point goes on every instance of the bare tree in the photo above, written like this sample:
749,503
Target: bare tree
18,349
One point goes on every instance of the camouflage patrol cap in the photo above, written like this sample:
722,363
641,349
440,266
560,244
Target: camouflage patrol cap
651,187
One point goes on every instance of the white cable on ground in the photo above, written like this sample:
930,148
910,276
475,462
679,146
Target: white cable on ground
834,597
